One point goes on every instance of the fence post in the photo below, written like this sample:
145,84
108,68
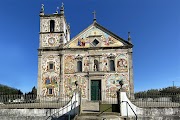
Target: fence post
80,100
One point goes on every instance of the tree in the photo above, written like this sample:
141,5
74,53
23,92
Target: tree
6,90
173,92
34,91
30,96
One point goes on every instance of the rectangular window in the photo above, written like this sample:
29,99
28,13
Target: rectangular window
50,91
51,66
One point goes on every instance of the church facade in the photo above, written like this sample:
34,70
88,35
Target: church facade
95,60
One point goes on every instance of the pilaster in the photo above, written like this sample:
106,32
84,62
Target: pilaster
130,51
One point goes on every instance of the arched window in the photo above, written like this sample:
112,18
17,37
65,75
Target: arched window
52,25
96,65
112,66
79,66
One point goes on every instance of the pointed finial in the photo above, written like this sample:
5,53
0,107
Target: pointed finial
42,8
62,9
69,26
94,16
57,10
62,6
129,37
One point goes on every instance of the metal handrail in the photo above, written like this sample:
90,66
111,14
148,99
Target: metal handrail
62,109
127,103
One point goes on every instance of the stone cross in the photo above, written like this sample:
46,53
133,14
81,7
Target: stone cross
94,15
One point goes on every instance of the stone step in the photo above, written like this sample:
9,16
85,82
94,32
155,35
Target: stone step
99,116
98,113
88,106
102,117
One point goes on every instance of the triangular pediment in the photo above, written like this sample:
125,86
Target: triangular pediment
96,36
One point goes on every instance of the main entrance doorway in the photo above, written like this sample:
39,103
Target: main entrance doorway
95,89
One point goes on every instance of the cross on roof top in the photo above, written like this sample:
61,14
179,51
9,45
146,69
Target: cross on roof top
94,15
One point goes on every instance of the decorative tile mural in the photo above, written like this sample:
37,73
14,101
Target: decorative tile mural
122,63
69,64
44,26
50,78
85,39
112,84
69,85
50,40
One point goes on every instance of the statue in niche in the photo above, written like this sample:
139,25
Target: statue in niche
105,62
86,65
95,67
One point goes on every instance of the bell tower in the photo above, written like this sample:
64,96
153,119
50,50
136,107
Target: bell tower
54,30
54,33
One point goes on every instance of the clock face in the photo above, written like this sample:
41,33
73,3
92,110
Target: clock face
51,41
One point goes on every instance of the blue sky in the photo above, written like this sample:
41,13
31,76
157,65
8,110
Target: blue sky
154,27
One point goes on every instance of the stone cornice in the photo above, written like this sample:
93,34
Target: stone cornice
73,49
51,15
50,32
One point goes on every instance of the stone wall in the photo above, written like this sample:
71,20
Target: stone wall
151,113
69,110
160,114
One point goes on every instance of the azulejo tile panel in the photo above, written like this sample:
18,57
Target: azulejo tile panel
69,85
69,64
112,83
50,78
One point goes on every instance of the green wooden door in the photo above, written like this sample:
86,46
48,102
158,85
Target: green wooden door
95,90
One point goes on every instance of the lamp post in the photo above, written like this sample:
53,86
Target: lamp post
119,96
76,83
121,83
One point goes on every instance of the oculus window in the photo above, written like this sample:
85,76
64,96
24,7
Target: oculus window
95,42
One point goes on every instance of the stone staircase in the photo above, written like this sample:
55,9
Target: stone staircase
90,111
90,106
99,116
